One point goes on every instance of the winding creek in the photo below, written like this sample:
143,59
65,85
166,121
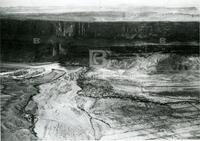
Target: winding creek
51,102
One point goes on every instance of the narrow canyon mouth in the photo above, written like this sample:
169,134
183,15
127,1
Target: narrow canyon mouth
148,97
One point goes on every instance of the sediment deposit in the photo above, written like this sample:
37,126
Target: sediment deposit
120,101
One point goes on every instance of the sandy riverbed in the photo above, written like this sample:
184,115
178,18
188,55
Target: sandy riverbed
50,102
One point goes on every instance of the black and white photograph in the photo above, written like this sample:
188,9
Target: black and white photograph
74,70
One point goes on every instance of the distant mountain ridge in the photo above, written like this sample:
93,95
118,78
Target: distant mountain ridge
92,14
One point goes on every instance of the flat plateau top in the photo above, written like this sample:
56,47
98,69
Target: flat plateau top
127,14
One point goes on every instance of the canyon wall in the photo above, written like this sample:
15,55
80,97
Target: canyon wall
37,40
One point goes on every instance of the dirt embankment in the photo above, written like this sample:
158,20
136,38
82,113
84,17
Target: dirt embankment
18,110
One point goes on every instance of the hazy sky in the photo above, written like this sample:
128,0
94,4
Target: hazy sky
79,3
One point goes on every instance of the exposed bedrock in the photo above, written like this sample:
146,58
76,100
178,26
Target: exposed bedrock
18,110
158,78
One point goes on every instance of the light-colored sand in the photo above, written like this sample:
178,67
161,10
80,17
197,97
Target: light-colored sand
61,112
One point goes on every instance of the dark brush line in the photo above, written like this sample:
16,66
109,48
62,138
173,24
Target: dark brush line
90,119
